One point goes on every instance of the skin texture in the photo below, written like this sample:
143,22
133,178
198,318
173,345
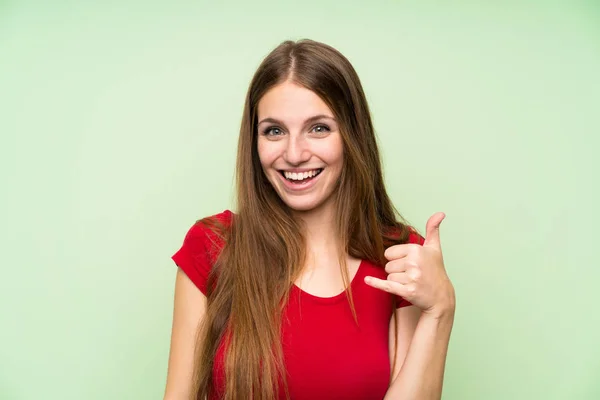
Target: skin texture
188,311
418,274
298,140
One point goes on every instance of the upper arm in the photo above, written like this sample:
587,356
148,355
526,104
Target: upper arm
188,311
404,322
195,260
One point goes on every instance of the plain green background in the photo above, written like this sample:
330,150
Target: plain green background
119,125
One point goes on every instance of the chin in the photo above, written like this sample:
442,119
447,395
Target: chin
304,205
300,207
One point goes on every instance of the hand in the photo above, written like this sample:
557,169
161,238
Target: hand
417,273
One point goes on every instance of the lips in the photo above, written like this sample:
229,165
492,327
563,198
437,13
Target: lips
299,177
295,181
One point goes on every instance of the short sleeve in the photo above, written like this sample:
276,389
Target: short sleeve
193,258
197,253
414,237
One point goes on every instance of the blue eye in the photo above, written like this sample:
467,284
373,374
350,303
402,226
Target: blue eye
272,131
276,131
323,128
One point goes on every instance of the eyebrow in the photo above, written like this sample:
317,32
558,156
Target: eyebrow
308,120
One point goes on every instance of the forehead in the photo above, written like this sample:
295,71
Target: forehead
291,103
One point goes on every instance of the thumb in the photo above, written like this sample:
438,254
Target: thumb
433,229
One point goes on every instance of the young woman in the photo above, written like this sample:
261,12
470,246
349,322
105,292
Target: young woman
313,289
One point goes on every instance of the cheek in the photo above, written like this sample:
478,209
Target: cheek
333,153
261,155
264,153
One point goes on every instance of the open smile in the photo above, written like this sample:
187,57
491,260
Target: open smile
300,180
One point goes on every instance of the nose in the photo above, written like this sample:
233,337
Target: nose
296,151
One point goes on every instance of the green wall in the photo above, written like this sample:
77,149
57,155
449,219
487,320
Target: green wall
119,122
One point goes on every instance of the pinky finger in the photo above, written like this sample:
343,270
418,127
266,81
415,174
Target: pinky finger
386,285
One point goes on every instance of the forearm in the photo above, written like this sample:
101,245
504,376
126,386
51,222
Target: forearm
422,373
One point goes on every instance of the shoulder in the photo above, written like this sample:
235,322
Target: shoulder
208,235
202,245
211,228
209,223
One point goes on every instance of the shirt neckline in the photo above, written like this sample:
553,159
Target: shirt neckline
340,296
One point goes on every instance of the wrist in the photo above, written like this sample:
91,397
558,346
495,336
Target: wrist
444,309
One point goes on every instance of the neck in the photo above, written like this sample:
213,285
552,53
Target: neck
320,231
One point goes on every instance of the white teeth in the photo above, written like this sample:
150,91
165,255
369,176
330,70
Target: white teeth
299,176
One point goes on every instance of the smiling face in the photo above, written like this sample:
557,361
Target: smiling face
299,146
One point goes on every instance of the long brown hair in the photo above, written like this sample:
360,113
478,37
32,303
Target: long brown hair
265,246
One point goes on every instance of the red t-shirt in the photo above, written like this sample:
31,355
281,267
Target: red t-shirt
327,356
